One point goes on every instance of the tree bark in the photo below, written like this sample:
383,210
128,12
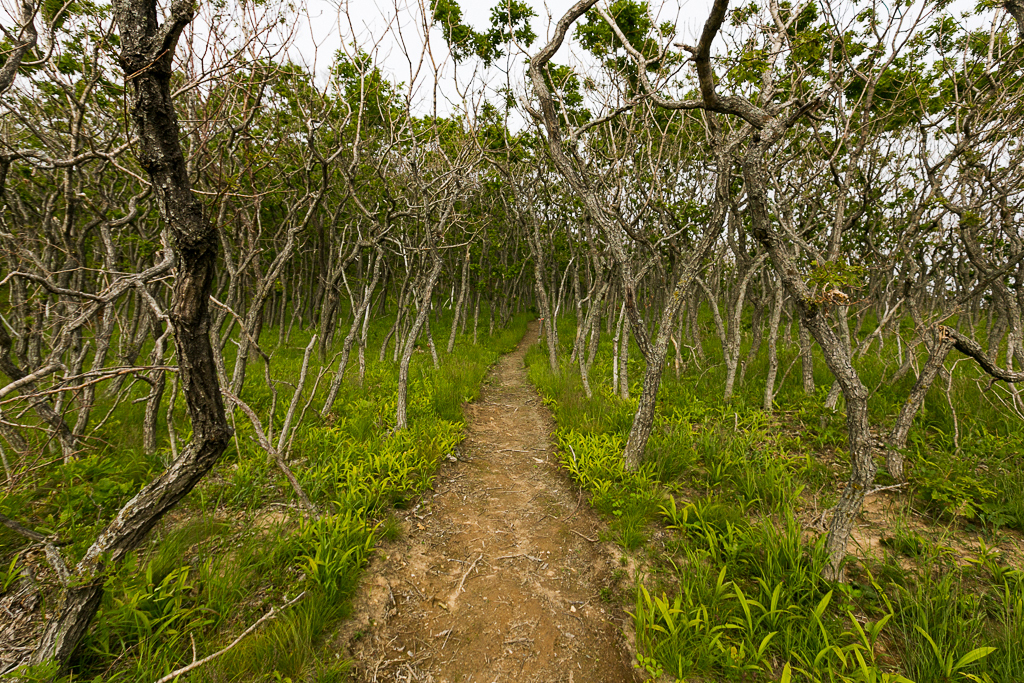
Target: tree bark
147,52
401,417
459,306
773,355
42,406
550,328
359,318
806,358
814,315
158,380
27,40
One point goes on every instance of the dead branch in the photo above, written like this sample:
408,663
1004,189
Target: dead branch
971,348
196,664
273,452
30,378
463,580
19,529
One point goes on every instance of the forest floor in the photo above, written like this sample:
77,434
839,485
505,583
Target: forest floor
499,574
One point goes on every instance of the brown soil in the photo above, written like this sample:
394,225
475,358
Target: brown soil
883,513
499,574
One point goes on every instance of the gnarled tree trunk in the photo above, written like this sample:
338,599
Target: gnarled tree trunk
147,52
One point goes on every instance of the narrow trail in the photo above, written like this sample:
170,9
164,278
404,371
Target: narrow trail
496,578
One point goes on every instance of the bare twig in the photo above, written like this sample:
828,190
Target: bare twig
462,582
261,436
195,665
19,529
96,376
885,488
30,378
586,538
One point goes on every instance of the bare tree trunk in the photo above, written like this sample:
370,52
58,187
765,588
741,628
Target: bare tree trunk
677,342
329,307
806,358
560,299
693,314
615,351
401,420
13,437
73,372
102,338
996,332
387,340
946,339
27,37
595,335
147,53
430,343
250,333
362,345
465,313
581,361
296,315
361,314
588,350
398,319
757,323
548,323
581,326
732,335
624,362
158,380
476,318
281,311
131,343
42,406
460,304
773,355
814,315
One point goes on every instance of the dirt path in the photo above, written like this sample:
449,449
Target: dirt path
495,579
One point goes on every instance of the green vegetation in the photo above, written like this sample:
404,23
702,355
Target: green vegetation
184,226
240,544
721,519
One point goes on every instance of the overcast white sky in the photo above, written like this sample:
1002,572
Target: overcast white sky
384,24
328,22
392,30
374,24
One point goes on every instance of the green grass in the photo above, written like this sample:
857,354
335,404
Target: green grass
733,589
238,544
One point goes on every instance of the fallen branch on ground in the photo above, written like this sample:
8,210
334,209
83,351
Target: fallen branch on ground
463,581
586,538
196,664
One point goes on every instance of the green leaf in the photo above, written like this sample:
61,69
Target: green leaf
822,605
764,643
935,648
973,656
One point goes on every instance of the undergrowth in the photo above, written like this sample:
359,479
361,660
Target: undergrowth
731,586
240,544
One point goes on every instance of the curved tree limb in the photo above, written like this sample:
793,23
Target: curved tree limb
971,348
28,35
